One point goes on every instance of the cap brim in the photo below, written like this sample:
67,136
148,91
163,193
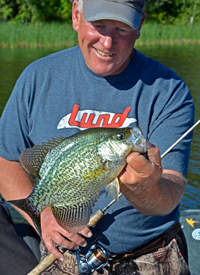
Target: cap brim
96,10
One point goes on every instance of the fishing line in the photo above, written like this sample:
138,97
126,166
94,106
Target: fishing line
175,143
91,258
172,146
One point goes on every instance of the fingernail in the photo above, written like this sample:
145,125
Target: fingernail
84,244
89,234
61,259
76,247
148,145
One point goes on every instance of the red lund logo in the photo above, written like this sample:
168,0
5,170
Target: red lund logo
92,119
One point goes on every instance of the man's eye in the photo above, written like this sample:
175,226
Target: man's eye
99,26
124,31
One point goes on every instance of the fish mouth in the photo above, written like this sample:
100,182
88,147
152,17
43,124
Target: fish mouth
138,140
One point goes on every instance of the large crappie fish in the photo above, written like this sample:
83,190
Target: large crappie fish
71,171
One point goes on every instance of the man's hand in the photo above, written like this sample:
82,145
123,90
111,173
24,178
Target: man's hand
149,188
15,183
53,233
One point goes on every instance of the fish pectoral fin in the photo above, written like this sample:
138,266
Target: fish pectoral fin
113,189
31,159
74,218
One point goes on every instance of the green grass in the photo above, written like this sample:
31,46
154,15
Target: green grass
36,35
152,34
56,34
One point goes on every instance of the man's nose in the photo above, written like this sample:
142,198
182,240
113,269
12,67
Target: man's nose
107,41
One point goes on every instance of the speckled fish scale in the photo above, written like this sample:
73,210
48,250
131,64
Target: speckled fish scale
71,171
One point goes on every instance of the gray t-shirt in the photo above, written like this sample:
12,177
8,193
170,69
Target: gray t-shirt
59,95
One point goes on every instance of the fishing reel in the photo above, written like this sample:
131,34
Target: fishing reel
95,259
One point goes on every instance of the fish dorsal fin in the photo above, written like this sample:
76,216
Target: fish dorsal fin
31,159
74,218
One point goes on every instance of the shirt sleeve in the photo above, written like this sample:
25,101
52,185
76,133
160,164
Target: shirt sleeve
175,118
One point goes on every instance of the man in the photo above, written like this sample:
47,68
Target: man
105,82
16,257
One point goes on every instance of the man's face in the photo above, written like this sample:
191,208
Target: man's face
106,45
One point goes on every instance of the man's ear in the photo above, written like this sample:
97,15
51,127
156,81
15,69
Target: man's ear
75,15
143,17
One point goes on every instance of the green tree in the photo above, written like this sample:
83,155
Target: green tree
7,10
162,11
170,11
35,10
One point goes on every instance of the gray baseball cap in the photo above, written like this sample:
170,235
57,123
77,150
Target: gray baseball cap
126,11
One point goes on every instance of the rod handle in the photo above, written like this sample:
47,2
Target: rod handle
94,218
47,261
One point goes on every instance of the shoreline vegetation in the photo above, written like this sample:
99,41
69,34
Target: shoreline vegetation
13,35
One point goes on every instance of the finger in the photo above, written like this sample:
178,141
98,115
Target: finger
68,242
75,238
50,227
86,232
139,165
66,239
52,231
153,153
51,247
64,242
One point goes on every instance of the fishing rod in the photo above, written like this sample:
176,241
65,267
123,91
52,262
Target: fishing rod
184,135
48,260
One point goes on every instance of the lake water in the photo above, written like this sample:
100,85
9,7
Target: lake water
183,59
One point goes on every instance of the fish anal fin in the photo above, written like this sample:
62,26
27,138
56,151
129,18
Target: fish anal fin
75,217
113,189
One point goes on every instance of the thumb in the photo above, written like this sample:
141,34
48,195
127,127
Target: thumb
153,153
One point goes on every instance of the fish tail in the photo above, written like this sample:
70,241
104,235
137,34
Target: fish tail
30,209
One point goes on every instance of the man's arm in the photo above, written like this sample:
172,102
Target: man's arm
15,184
151,190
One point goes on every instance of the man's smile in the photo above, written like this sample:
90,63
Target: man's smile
102,53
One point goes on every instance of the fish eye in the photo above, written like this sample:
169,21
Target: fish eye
121,135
